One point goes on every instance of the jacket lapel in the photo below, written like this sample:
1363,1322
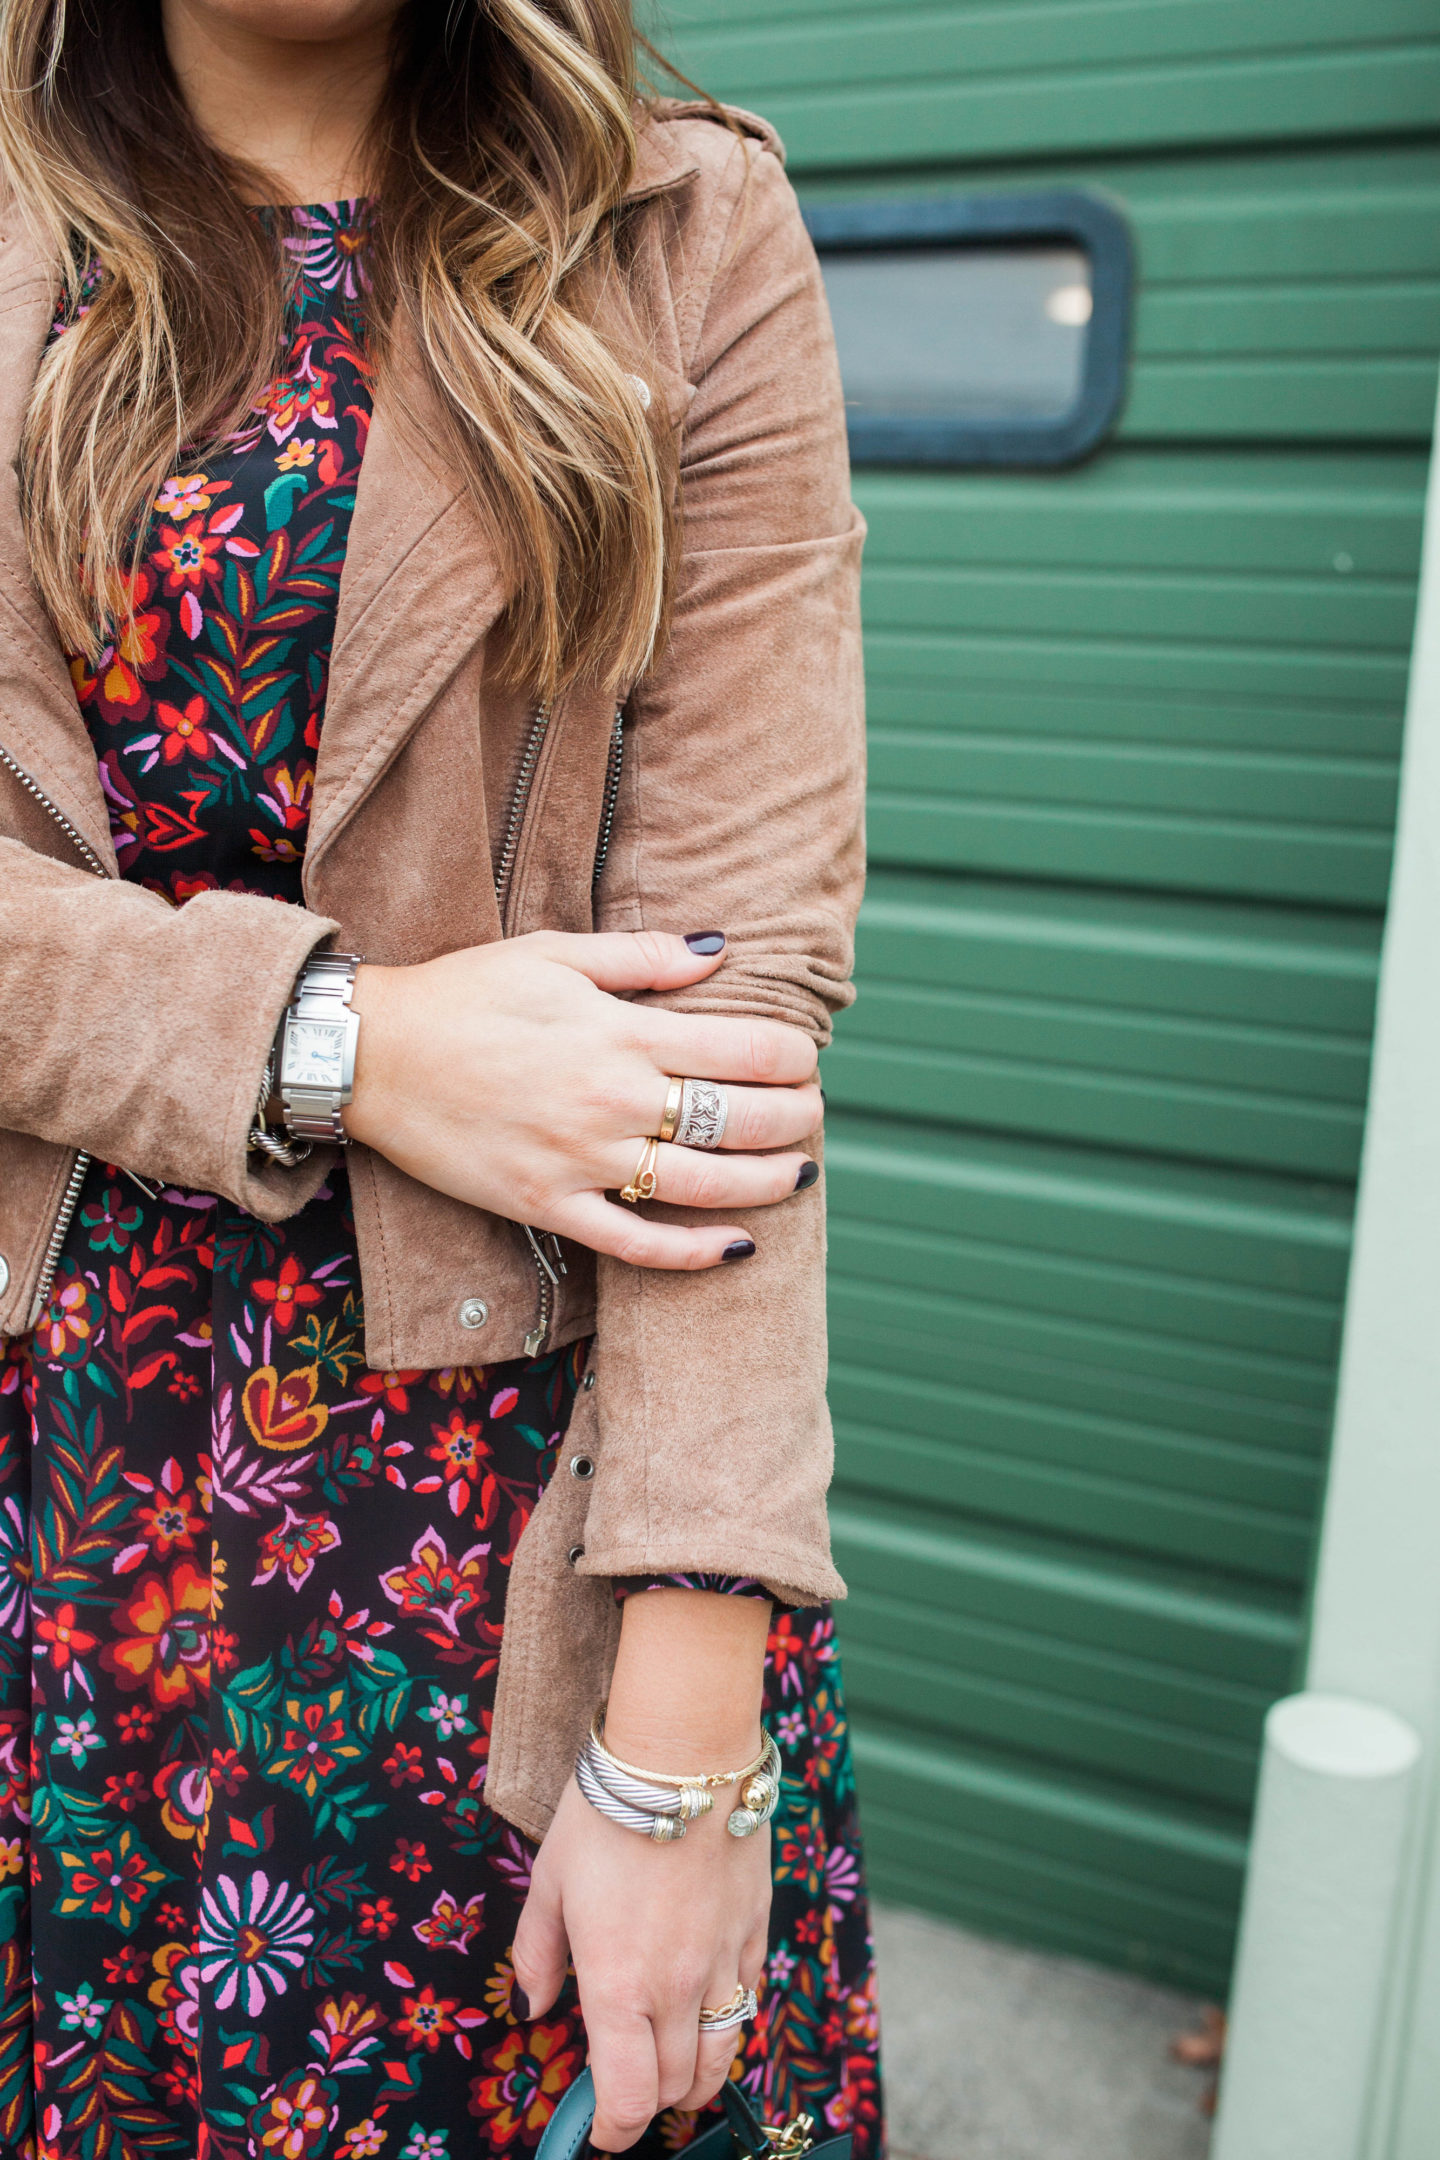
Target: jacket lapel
40,721
419,590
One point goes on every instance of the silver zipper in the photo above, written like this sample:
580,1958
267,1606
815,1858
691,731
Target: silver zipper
547,1274
611,795
33,787
545,1248
76,1179
549,1267
519,798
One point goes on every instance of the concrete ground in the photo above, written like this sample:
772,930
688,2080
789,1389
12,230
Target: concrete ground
997,2053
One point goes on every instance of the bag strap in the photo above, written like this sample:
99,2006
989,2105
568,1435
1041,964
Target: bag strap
742,2136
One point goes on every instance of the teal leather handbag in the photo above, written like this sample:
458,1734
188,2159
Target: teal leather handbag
742,2136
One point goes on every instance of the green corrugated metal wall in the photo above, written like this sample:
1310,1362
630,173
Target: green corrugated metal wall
1095,1120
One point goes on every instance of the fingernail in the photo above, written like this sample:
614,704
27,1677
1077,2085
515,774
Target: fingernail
521,2002
809,1171
705,943
740,1250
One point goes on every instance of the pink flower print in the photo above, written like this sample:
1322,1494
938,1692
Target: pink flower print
451,1925
188,496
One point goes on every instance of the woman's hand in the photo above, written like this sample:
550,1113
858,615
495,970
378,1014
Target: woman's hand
655,1931
515,1076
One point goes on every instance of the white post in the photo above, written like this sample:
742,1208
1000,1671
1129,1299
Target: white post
1340,1945
1332,1814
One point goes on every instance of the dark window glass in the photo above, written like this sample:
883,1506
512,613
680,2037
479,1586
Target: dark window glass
978,331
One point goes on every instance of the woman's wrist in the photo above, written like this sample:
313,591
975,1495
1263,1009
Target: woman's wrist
367,1114
688,1680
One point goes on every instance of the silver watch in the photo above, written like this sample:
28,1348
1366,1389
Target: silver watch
315,1075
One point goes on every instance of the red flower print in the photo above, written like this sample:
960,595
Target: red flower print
136,1724
461,1451
437,1584
64,1637
126,1968
185,731
315,1742
858,2099
288,1292
409,1860
188,555
404,1765
173,1519
227,1772
427,2018
164,1645
377,1917
529,2069
136,654
127,1792
393,1386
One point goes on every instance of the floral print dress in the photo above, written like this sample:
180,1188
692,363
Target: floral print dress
253,1900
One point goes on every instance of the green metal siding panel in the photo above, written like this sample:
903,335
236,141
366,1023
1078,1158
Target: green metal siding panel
1073,677
1207,1030
1095,1119
900,86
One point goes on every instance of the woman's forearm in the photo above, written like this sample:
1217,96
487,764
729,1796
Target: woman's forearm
687,1684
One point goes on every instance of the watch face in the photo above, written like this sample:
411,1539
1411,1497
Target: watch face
314,1053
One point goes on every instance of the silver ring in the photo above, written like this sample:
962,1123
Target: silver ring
704,1108
737,2012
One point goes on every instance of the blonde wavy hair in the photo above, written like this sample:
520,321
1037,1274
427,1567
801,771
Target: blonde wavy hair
500,157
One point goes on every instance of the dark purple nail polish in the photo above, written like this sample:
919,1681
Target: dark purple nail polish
704,943
808,1173
521,2002
740,1250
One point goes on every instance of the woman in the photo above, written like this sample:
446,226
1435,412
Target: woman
431,465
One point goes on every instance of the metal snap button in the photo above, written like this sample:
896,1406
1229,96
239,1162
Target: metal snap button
474,1312
577,1552
4,1274
581,1466
588,1382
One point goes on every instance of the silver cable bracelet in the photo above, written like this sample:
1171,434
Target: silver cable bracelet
660,1807
260,1140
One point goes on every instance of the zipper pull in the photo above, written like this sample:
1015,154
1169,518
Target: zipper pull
551,1262
535,1340
151,1192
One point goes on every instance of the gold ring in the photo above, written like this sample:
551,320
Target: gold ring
670,1117
723,2017
642,1185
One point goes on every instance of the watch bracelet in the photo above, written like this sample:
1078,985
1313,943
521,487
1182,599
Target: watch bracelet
297,1145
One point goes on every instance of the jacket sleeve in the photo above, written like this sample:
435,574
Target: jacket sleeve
742,810
138,1031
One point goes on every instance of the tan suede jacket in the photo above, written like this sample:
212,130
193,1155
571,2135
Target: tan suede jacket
136,1032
